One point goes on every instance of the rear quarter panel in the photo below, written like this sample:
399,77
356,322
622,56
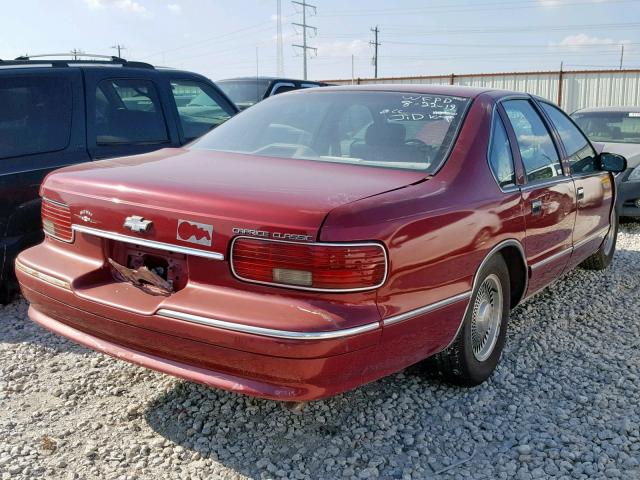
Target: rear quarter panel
438,231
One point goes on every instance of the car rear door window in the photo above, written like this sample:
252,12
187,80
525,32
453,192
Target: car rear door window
35,115
198,107
128,112
539,155
500,158
581,155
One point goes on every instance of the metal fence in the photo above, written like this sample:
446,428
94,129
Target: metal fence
572,90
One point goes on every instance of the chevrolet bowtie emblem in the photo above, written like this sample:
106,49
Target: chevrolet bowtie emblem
136,223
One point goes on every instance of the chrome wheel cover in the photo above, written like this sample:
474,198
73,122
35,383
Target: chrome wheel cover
486,317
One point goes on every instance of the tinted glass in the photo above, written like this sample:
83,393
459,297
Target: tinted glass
244,93
500,158
539,155
198,109
614,127
580,154
128,112
283,89
385,129
35,115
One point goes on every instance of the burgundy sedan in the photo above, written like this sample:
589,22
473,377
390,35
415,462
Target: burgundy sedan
323,239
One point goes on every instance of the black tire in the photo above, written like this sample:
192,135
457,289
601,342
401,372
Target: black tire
604,255
458,364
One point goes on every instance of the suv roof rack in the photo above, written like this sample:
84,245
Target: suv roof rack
45,60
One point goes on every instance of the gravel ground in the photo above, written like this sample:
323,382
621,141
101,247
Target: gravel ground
564,402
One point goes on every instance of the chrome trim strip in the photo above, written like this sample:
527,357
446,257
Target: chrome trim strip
549,183
168,247
43,276
55,202
602,232
504,243
551,258
267,332
426,309
322,244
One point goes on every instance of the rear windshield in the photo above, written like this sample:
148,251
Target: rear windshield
384,129
614,127
244,93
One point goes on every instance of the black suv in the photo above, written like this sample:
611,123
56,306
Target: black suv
61,112
246,91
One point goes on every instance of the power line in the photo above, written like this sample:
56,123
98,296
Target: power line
375,44
465,7
304,27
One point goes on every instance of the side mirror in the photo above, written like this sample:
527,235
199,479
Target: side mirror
612,162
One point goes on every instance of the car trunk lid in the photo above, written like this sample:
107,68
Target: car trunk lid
201,199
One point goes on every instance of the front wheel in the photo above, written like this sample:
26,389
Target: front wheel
475,352
604,255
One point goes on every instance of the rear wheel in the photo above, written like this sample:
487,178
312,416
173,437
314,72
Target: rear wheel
604,255
475,352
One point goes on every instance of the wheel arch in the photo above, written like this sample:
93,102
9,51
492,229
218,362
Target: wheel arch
512,253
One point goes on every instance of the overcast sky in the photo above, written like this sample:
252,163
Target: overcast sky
219,38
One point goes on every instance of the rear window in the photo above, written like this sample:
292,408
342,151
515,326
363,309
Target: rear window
384,129
244,93
35,115
615,127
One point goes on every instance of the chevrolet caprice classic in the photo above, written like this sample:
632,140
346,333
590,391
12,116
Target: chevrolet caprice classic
323,239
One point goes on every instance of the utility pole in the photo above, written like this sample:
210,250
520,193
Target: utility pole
280,64
75,52
119,47
352,69
304,27
376,44
621,54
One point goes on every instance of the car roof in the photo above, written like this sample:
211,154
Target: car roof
629,109
453,90
270,79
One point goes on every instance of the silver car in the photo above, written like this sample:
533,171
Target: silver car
618,128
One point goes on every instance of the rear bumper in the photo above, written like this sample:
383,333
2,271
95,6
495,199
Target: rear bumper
238,371
295,364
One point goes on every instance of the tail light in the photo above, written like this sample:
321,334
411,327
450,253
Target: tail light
315,266
56,220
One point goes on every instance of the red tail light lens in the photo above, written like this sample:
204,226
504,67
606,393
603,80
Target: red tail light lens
317,266
56,220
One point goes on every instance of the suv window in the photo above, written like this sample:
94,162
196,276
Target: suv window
500,158
198,109
580,154
539,155
128,112
35,115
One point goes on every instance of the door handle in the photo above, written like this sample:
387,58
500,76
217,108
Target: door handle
536,207
580,193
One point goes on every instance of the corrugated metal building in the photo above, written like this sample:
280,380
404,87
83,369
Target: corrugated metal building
572,90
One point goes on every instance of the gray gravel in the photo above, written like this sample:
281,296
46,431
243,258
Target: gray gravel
564,402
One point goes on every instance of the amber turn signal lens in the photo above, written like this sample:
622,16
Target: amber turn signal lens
332,267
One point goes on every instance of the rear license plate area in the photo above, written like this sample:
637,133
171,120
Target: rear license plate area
169,266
